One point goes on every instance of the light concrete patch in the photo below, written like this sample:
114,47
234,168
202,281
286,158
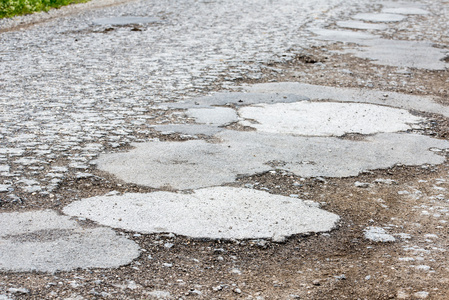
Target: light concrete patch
344,36
379,17
410,10
235,98
361,25
193,164
215,116
327,118
48,242
190,129
318,92
186,165
216,213
5,188
248,98
408,54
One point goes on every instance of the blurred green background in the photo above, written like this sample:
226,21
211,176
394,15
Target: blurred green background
10,8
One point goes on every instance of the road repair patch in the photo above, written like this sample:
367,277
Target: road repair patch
216,213
47,242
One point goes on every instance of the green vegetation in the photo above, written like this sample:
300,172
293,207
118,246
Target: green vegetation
10,8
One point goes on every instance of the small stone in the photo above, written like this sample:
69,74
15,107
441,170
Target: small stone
262,244
423,267
361,184
159,294
132,285
312,203
217,288
195,292
81,175
320,179
4,188
316,282
18,291
378,234
168,245
340,277
236,271
431,236
385,181
421,295
237,291
402,295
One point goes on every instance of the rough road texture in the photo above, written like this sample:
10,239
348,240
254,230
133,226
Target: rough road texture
244,214
72,90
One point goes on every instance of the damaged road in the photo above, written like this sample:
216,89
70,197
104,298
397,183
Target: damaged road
225,150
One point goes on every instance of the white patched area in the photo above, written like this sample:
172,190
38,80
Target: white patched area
47,242
298,129
352,95
399,53
379,17
216,213
327,118
218,116
197,163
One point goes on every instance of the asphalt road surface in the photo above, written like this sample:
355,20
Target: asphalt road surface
225,150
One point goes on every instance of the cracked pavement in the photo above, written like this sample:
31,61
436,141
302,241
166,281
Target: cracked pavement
116,100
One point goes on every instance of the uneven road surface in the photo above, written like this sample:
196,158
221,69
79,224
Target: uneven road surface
222,149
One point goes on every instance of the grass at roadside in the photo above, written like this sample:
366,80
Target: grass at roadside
11,8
